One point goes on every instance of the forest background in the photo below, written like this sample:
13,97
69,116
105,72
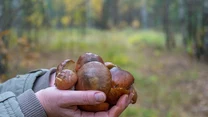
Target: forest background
163,43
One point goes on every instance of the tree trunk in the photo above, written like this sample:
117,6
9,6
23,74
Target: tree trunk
182,20
5,24
193,8
114,11
88,14
144,15
170,42
205,27
105,14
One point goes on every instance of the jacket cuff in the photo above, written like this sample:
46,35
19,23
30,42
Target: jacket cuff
30,105
43,81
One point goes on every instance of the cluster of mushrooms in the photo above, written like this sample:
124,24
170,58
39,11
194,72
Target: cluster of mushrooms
90,72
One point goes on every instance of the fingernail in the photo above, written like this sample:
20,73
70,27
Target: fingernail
100,97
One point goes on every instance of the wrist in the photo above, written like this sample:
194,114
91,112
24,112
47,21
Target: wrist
52,79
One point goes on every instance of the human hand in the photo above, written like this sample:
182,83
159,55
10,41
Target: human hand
63,103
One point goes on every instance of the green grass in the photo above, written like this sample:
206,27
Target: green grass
150,38
133,111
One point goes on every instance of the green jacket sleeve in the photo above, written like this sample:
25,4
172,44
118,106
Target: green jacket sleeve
18,90
21,83
9,106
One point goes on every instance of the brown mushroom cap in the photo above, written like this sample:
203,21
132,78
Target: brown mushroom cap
66,64
65,79
121,78
87,57
121,83
109,65
94,76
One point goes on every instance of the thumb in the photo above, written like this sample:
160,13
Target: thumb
70,97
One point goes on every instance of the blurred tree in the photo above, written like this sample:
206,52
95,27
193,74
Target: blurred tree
105,14
34,15
182,21
6,18
96,6
129,12
33,18
204,36
69,13
144,14
170,42
114,12
194,27
157,13
88,13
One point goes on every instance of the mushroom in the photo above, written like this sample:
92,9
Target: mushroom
121,84
65,75
93,75
65,79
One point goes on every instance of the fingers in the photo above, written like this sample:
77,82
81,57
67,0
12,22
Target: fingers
121,105
65,102
69,98
116,110
79,113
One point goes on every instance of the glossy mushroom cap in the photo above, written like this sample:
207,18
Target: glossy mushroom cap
121,78
65,79
87,57
94,76
65,75
121,83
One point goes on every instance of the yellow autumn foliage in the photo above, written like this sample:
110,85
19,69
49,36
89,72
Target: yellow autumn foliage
97,6
66,20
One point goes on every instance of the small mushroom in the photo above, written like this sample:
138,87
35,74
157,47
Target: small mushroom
65,79
121,83
65,75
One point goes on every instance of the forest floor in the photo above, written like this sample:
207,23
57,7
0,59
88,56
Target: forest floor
188,77
169,83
